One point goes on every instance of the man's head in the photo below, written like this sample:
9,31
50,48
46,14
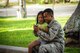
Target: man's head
48,15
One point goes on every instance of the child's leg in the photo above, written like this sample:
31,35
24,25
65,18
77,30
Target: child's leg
31,45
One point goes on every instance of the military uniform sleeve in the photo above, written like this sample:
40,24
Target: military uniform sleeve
53,31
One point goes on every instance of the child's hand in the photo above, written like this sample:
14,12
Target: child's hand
36,29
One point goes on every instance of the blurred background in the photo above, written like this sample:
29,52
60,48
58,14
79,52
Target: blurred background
17,18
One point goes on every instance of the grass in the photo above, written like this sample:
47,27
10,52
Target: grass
62,20
8,24
18,32
16,24
17,38
72,50
22,37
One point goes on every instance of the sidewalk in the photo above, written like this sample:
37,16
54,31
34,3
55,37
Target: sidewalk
12,49
32,10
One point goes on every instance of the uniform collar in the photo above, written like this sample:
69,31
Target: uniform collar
51,23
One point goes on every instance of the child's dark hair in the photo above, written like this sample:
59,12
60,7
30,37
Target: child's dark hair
41,12
49,11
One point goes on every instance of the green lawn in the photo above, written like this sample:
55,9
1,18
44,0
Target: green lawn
17,33
15,24
9,24
17,38
72,50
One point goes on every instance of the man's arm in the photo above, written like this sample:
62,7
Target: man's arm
53,31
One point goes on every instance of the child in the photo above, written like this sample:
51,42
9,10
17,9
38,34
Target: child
41,23
42,26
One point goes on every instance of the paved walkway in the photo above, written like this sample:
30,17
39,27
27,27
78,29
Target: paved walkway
32,10
12,49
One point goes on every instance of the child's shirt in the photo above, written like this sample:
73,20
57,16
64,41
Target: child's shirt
42,26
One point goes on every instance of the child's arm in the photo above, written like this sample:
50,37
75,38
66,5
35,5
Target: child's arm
35,33
34,30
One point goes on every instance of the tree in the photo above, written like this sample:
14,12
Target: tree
73,24
22,9
72,18
7,3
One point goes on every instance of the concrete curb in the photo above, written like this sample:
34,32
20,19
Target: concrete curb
12,49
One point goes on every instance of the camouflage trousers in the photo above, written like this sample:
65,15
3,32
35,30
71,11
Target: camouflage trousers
51,48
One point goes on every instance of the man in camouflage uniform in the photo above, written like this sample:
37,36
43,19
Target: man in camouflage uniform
54,38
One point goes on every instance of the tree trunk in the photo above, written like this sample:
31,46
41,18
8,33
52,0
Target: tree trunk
22,8
71,21
7,3
73,24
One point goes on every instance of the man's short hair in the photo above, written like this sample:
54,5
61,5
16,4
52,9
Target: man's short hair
48,10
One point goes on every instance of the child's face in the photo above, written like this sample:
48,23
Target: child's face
40,18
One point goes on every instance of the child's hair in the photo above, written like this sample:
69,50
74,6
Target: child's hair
41,12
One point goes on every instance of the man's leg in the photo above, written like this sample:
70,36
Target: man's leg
48,48
35,49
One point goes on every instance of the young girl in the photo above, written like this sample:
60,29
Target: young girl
42,26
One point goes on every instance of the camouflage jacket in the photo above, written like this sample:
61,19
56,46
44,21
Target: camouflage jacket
55,34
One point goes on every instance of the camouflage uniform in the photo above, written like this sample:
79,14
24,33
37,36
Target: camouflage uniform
54,39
